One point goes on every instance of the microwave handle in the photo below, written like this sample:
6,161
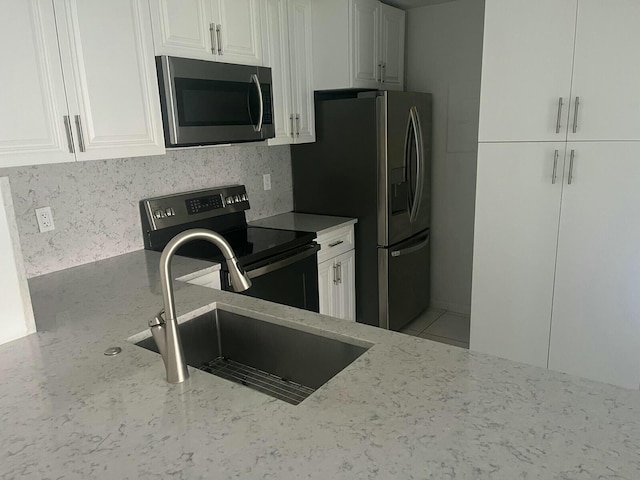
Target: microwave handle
256,81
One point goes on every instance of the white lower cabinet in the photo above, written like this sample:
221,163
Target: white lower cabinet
557,265
336,282
337,273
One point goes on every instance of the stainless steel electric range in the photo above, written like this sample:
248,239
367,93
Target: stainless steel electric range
282,264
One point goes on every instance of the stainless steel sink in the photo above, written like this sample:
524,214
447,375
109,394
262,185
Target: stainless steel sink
281,361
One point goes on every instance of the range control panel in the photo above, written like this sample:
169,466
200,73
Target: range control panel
171,210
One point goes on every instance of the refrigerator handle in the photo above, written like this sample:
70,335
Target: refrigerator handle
420,164
413,248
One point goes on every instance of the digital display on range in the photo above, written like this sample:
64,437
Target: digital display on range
204,204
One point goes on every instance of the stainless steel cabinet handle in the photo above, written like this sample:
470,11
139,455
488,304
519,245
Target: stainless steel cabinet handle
80,134
335,274
297,125
555,167
335,244
212,31
256,82
575,115
379,76
67,127
383,72
219,36
559,120
573,155
292,127
339,272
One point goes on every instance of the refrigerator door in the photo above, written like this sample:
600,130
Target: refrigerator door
404,176
403,281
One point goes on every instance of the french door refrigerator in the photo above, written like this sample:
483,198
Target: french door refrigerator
372,161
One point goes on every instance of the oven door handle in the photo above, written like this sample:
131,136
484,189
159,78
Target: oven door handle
285,262
256,81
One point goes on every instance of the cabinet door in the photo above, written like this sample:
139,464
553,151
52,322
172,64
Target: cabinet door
516,231
110,77
239,34
32,96
392,47
276,55
345,301
300,42
326,287
182,28
365,42
606,73
526,69
596,325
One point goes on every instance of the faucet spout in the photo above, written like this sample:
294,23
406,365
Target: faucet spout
165,330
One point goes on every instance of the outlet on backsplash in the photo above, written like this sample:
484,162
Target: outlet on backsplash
45,219
266,180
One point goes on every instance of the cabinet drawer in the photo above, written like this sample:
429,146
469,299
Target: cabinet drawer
335,243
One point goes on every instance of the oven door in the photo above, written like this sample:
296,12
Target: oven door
290,278
209,102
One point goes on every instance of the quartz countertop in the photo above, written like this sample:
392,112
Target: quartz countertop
304,222
408,408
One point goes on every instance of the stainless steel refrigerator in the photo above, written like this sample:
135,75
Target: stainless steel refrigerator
372,161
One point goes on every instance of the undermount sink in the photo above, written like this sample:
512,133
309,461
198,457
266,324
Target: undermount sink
284,362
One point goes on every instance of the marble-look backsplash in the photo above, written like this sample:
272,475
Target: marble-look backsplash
95,203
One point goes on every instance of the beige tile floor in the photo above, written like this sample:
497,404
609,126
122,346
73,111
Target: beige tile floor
441,326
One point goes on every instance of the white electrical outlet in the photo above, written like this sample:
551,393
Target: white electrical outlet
266,180
45,219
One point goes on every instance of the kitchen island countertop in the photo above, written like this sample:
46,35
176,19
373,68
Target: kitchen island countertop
407,409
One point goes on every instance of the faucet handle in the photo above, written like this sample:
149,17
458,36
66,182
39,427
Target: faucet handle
158,320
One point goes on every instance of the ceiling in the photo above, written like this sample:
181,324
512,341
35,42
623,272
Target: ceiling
405,4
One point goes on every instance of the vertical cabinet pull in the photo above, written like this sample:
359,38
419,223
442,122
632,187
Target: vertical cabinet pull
383,73
212,34
379,76
573,155
293,131
575,115
559,120
339,272
219,37
80,134
67,128
297,125
335,274
555,166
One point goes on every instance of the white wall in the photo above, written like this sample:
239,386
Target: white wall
444,57
95,204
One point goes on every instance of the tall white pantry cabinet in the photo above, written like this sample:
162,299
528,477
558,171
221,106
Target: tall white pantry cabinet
556,272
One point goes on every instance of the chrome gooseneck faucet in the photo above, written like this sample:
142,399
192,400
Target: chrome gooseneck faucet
165,331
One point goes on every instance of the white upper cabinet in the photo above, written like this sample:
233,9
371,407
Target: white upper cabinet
34,108
221,30
606,76
374,34
83,83
596,326
392,47
238,29
182,28
526,70
288,51
366,65
110,77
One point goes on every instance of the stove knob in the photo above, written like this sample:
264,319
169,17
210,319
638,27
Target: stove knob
244,197
169,212
237,198
158,214
229,200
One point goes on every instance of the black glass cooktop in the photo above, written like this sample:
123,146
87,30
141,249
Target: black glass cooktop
250,244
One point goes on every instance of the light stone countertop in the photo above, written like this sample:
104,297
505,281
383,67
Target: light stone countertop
407,409
304,222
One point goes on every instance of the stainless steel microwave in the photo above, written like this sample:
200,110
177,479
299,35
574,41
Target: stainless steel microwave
207,103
